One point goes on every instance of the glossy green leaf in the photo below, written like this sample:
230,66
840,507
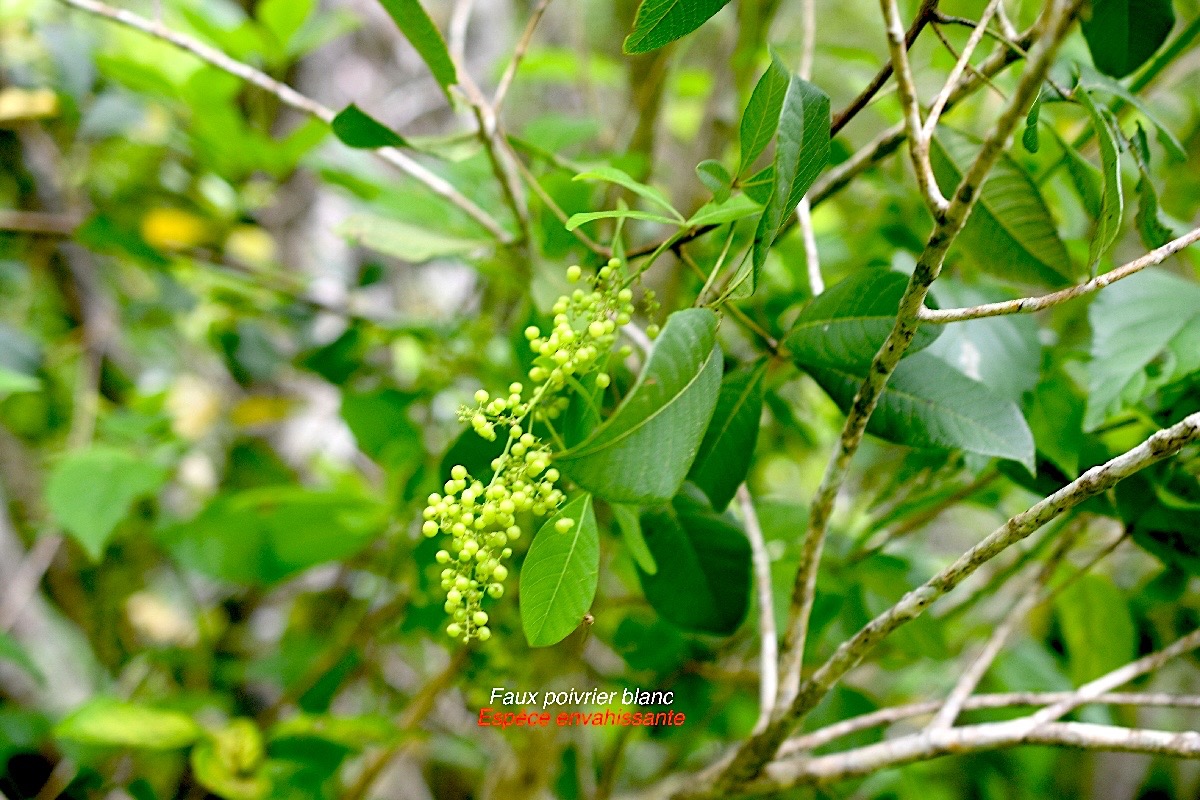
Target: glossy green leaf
1010,232
211,764
801,152
625,181
355,128
724,457
660,22
1145,335
261,536
1097,627
424,36
760,120
1123,34
630,523
703,578
1149,224
380,422
1112,199
715,178
731,210
849,322
415,244
90,491
617,213
1030,136
928,403
558,578
643,451
109,722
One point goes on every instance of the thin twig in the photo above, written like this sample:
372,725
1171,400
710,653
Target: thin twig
24,585
294,99
887,716
1027,305
769,654
37,222
964,61
510,71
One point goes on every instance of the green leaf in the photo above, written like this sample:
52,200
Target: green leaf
703,578
801,152
849,322
13,382
661,22
424,36
1112,200
1123,34
1096,82
1010,232
359,130
724,457
415,244
1030,137
715,178
1003,353
90,491
12,652
622,179
631,530
928,403
1097,627
284,18
211,765
1150,226
760,120
1087,179
263,535
380,422
642,452
731,210
558,578
617,213
1145,335
109,722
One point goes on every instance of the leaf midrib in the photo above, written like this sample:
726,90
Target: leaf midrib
545,613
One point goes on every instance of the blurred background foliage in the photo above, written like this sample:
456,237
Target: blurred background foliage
232,350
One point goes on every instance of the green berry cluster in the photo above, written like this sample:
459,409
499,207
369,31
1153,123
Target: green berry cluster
482,520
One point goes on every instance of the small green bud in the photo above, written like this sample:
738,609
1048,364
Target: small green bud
564,525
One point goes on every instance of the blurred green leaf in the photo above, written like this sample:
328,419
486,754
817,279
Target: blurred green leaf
1112,199
12,652
418,28
631,531
415,244
90,491
358,129
1097,627
108,722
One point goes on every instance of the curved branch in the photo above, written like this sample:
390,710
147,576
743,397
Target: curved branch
1028,305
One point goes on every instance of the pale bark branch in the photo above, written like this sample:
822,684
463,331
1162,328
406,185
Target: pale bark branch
510,71
1028,598
1028,305
746,762
918,140
1051,30
960,66
887,716
769,655
290,97
971,739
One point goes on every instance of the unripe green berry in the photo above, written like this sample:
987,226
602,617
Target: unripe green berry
454,597
602,380
458,472
443,557
552,475
495,591
532,332
430,528
480,618
454,630
484,634
652,331
596,329
564,525
573,273
500,572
